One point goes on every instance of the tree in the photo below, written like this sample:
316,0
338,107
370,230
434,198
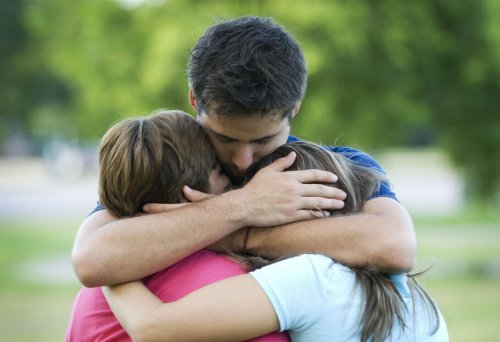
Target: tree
381,73
28,87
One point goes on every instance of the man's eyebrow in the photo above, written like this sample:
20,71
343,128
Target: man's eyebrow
220,135
267,137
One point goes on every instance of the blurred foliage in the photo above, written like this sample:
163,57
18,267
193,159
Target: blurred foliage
381,73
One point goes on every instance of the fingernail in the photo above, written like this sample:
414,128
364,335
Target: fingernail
187,189
145,208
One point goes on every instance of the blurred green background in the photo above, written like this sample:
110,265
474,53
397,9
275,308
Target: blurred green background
415,83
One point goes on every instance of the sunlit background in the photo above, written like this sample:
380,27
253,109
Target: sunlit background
415,83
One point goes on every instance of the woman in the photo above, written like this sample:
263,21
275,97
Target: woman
147,160
311,296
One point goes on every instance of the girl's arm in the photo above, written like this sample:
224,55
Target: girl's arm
233,309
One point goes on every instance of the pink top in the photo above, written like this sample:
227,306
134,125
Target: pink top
93,320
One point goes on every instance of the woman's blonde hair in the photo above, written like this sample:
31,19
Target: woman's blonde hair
149,159
383,304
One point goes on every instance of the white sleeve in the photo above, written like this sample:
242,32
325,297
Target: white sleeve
296,288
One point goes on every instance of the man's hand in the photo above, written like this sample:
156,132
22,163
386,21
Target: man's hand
274,197
156,208
194,195
190,195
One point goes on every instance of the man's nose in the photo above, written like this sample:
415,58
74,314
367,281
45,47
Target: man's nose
243,158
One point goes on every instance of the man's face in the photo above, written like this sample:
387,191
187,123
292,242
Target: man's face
242,141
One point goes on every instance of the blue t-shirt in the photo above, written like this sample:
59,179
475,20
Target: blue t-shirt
317,300
352,154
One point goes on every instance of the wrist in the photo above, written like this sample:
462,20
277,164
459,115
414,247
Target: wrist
235,206
246,235
255,241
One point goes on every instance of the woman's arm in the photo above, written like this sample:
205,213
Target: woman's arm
234,309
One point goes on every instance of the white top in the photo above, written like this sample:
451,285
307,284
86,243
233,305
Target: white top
317,300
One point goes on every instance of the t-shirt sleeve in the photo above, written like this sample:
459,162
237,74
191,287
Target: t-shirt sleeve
295,288
97,208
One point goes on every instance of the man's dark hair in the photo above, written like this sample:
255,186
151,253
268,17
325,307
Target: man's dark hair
247,65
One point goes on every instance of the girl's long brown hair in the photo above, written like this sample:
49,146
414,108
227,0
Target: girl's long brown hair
383,305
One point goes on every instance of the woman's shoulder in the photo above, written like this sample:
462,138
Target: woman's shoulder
314,270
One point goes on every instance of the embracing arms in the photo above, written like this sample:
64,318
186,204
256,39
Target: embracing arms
382,235
109,251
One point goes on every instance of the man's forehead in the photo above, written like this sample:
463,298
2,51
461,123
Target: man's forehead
253,127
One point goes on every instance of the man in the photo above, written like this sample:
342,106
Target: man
247,78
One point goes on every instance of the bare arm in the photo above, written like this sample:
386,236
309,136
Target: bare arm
109,251
382,235
234,309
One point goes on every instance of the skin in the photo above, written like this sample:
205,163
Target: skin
218,180
242,141
109,251
233,309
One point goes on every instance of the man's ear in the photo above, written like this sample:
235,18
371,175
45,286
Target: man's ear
192,100
296,108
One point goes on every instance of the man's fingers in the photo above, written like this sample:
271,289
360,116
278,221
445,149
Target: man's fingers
314,176
320,203
304,214
195,195
155,208
321,190
281,164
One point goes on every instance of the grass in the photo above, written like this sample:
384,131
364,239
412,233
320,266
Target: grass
465,278
34,310
470,306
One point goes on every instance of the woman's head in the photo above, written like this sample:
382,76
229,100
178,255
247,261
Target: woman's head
150,159
358,182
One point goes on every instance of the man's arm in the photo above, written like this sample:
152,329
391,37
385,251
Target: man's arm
382,235
109,251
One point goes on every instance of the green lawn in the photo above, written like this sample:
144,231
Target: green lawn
465,277
32,308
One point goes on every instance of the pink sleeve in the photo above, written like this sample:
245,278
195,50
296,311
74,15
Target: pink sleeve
198,270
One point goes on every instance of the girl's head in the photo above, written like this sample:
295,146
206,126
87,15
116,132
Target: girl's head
149,160
358,182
